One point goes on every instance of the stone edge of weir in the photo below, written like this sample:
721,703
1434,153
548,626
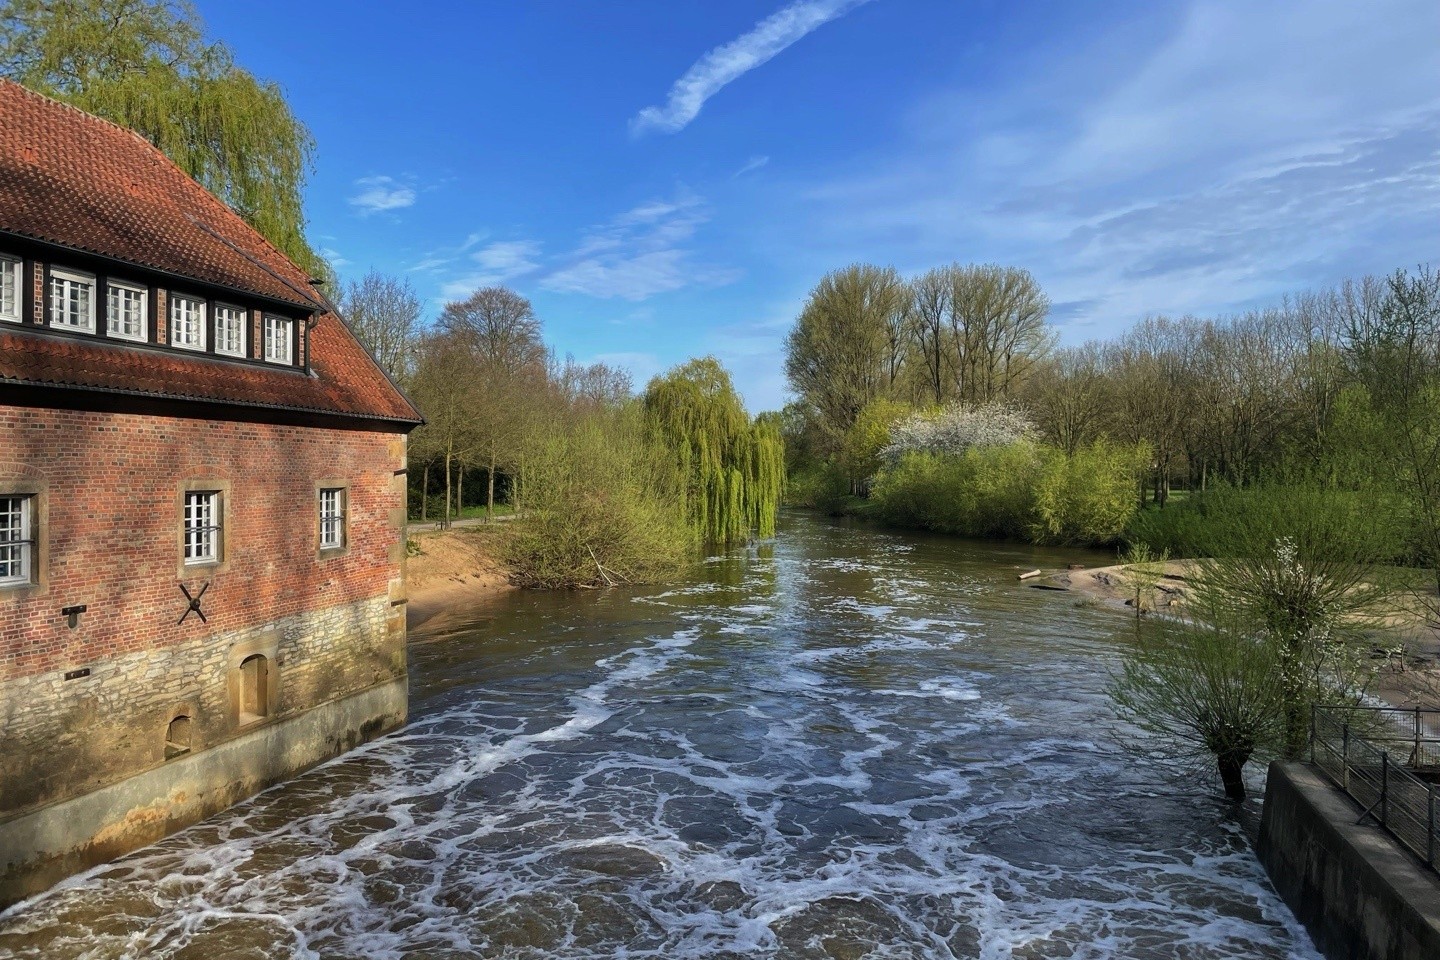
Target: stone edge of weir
1355,890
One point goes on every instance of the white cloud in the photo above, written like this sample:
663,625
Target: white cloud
750,166
1258,148
378,194
640,253
334,257
734,59
499,263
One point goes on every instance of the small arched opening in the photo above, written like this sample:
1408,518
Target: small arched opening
177,737
254,688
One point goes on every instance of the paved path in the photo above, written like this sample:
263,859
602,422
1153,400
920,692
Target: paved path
431,525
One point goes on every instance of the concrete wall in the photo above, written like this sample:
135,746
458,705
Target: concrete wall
42,847
1361,895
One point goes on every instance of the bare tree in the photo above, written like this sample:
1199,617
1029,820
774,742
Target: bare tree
930,300
1070,400
384,313
499,326
997,328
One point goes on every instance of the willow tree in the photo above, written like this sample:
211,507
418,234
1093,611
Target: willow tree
736,466
146,65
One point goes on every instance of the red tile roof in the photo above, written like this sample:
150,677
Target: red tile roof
72,179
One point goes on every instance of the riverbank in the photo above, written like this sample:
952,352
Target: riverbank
1410,678
449,570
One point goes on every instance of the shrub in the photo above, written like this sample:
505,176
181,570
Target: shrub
1091,496
983,492
604,504
956,429
1303,564
1178,529
824,487
1204,689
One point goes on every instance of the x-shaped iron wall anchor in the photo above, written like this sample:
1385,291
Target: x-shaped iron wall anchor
194,604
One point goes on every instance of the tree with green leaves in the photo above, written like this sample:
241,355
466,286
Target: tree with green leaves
736,466
147,65
500,333
1203,690
1394,358
846,347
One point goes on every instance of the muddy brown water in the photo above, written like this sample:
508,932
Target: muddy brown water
845,743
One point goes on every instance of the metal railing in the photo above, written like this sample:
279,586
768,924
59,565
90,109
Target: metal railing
1360,749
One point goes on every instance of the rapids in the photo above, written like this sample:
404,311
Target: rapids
848,743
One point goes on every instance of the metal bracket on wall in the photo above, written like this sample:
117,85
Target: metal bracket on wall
72,615
194,604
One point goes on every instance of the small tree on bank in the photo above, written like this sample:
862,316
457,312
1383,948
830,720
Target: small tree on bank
1203,692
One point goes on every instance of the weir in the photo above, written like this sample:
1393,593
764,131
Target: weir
846,741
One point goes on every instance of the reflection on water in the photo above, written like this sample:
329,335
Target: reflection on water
850,744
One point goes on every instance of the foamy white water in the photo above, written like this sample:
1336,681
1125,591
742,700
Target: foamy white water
854,744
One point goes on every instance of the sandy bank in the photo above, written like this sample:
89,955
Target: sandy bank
1408,680
453,569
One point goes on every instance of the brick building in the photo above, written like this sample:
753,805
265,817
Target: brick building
182,416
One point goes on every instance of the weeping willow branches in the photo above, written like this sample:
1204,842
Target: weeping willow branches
146,65
735,466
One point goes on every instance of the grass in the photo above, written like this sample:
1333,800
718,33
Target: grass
468,512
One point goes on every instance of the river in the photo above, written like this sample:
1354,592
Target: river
848,743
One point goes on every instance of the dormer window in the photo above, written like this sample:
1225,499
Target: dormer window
229,330
279,340
187,322
11,270
72,300
128,314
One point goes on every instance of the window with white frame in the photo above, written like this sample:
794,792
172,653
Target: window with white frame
72,300
229,330
128,317
11,287
279,340
202,526
187,322
332,518
17,538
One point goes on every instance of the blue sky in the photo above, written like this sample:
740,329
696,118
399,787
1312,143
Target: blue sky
669,179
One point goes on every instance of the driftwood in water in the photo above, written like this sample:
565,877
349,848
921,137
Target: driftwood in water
1032,573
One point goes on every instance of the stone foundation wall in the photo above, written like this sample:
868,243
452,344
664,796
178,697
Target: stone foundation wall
42,847
67,737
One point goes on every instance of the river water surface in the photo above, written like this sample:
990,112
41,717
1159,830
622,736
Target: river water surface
850,743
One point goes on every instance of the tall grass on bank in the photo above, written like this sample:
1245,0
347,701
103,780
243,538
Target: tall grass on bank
605,504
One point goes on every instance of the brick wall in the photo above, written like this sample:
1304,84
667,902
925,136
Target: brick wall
108,488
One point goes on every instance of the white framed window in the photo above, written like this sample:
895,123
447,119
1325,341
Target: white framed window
202,526
279,340
12,285
17,538
229,330
72,300
187,322
332,518
128,315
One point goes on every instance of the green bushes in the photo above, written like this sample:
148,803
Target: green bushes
983,492
825,487
1089,497
1017,491
604,503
